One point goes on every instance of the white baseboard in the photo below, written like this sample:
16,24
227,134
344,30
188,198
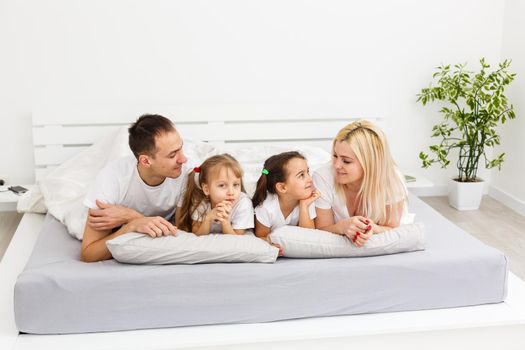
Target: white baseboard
507,199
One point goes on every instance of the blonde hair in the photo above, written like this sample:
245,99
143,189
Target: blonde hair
193,196
382,186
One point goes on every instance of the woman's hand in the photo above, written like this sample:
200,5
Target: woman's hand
352,225
360,238
358,229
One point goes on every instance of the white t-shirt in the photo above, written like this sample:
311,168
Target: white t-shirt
324,178
241,215
119,183
270,215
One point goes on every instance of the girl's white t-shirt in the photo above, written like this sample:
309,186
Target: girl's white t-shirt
323,179
270,215
241,215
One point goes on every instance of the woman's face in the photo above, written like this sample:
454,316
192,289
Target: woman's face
347,169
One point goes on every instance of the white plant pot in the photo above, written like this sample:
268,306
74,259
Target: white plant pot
465,195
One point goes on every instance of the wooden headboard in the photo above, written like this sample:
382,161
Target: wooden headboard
60,133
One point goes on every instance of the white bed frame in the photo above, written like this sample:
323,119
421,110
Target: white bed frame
58,136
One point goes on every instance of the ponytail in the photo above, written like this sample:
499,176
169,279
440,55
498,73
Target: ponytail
193,196
261,190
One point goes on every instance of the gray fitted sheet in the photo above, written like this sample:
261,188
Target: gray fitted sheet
56,293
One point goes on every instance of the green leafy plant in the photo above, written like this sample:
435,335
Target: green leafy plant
476,104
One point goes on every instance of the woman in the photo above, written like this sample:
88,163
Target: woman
362,191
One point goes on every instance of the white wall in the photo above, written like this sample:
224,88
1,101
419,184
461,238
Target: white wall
507,184
371,56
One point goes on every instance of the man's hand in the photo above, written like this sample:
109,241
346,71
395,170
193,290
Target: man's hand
154,226
109,216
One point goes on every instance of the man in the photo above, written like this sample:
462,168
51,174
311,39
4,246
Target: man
137,194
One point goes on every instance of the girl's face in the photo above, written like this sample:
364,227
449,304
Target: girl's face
298,184
222,185
348,170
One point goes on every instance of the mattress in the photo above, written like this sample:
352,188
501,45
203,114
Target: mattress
57,293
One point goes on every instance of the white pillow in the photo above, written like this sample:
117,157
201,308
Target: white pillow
32,201
298,242
187,248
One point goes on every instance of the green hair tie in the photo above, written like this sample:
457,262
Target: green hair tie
265,172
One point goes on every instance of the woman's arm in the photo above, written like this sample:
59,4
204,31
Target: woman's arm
325,221
394,218
347,227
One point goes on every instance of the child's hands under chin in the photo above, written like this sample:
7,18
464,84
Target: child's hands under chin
306,202
223,210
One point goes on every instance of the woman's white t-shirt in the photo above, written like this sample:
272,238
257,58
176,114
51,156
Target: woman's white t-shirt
324,179
241,216
270,215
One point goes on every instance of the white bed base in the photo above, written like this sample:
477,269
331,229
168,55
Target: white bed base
481,327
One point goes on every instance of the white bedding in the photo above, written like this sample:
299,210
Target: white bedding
64,188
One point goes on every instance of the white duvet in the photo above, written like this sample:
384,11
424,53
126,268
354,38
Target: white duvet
62,190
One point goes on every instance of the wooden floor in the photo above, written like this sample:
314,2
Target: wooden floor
8,224
493,223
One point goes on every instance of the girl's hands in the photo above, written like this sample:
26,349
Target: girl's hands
223,211
278,246
306,202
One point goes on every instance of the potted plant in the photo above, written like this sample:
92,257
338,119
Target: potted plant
475,106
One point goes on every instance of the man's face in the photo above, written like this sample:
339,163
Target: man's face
169,157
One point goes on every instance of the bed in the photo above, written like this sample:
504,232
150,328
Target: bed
56,138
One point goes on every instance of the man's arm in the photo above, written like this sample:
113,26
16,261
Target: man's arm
110,216
94,242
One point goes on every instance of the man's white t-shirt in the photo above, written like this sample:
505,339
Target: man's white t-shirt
323,178
119,183
270,215
241,215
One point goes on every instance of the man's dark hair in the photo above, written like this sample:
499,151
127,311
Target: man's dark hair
142,133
